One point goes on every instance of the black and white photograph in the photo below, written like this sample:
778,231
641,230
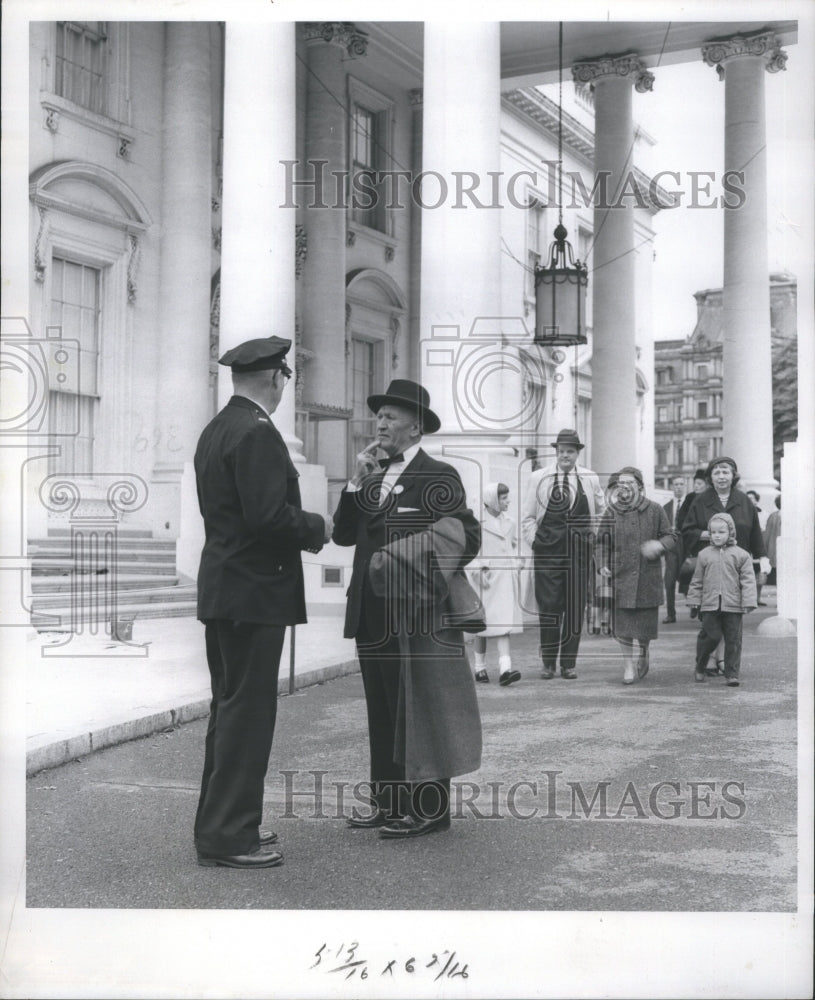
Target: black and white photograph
408,471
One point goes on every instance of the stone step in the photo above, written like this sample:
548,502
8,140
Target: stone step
82,582
59,619
141,598
47,567
147,545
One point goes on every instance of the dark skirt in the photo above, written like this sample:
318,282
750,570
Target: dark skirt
636,623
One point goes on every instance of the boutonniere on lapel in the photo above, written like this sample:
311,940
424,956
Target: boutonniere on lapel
398,488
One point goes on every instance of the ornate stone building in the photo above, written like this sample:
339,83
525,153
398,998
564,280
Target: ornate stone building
688,376
368,191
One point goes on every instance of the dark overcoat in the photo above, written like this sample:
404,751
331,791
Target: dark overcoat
438,724
739,506
636,581
251,569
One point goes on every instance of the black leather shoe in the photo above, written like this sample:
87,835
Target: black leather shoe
547,673
510,677
642,665
257,859
267,837
732,682
570,674
482,677
368,822
669,620
410,826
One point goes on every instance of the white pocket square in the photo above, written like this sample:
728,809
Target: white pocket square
406,510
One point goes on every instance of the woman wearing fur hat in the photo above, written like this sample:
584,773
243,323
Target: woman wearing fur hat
634,533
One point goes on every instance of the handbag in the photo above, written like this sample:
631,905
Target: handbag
686,571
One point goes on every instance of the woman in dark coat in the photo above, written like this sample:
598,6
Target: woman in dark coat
634,533
722,496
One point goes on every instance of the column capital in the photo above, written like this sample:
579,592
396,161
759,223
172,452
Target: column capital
628,66
416,97
342,33
764,44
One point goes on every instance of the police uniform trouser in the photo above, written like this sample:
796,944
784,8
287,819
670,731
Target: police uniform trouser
244,660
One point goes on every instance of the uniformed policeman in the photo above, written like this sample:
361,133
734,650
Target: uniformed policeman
250,587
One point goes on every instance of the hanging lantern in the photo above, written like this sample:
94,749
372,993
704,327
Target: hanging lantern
560,295
560,287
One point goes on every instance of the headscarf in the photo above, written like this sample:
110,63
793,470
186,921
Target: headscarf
490,496
731,526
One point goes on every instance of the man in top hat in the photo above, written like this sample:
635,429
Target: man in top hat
250,587
560,506
423,721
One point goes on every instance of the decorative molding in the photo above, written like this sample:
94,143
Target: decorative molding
764,44
396,329
132,266
328,411
39,263
123,148
628,66
350,238
390,253
57,107
348,311
216,238
51,119
300,250
416,97
342,33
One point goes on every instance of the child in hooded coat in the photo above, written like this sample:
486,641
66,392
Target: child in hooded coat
723,589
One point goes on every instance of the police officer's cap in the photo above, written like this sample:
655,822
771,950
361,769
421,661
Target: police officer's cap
258,355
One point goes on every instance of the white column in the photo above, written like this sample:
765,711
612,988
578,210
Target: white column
184,292
257,242
747,386
461,350
614,422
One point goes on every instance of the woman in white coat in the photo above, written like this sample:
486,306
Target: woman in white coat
494,575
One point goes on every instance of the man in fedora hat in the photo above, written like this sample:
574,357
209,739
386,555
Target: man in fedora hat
250,587
423,721
561,504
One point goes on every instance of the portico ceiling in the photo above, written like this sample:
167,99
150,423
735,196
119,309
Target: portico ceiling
529,49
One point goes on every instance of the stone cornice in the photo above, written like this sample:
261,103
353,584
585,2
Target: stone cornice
342,33
628,66
766,44
530,104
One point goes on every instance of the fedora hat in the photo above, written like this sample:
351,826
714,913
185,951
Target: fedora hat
568,436
411,396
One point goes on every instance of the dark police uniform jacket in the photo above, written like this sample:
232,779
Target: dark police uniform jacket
251,570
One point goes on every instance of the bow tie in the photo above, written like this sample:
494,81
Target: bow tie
385,463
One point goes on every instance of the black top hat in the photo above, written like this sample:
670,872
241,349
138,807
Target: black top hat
259,355
568,436
411,396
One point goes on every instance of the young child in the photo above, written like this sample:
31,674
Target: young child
723,589
496,579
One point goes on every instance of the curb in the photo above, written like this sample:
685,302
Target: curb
75,747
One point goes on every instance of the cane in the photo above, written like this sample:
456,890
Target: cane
292,629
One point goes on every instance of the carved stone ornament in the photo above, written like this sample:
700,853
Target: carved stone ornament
123,148
396,329
132,267
765,44
390,253
300,250
350,238
39,263
52,119
628,66
416,97
342,33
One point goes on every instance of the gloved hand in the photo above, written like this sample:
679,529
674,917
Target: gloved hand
694,611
